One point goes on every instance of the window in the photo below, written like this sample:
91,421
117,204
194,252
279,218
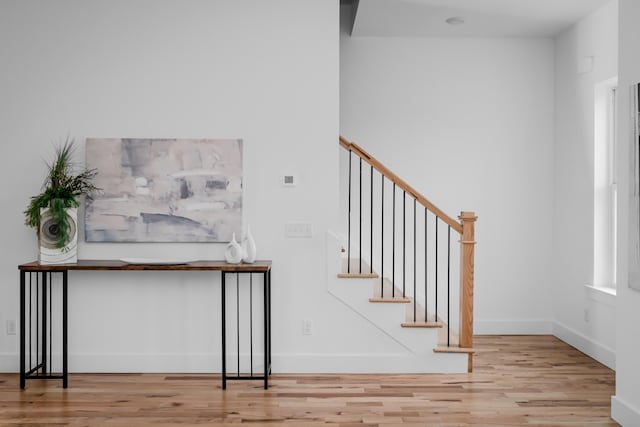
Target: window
605,186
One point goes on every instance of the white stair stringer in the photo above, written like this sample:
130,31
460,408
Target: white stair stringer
415,345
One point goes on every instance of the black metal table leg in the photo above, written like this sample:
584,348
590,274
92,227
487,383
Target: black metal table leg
224,335
266,335
44,323
266,328
268,295
22,331
65,343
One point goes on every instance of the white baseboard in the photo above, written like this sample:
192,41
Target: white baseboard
593,349
366,363
625,414
143,363
9,362
152,362
512,327
281,363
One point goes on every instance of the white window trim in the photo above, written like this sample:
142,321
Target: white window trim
601,294
605,186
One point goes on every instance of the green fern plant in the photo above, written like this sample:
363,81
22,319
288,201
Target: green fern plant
60,191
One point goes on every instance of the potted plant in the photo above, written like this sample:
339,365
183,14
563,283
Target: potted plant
53,212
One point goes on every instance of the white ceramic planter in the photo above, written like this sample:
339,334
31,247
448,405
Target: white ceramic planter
47,239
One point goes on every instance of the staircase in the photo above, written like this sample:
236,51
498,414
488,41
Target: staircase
395,265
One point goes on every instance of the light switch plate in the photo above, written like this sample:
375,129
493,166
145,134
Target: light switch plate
11,327
298,229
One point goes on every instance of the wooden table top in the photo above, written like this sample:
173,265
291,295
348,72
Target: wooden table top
110,264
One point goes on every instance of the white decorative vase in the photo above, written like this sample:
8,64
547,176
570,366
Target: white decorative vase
49,252
234,253
249,247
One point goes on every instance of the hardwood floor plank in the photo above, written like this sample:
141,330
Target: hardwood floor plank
517,381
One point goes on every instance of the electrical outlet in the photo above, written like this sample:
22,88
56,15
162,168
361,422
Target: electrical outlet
307,327
11,327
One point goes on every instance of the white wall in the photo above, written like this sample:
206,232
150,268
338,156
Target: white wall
266,72
583,317
469,124
626,403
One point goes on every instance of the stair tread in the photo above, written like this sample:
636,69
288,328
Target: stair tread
453,349
422,325
391,300
358,276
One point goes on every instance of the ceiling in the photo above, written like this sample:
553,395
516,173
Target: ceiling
482,18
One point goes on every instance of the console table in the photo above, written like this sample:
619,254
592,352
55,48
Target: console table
39,276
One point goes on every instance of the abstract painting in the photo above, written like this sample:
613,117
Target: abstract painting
164,190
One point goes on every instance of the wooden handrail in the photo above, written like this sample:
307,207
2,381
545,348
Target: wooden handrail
351,146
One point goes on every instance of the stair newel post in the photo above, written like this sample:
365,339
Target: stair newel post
467,253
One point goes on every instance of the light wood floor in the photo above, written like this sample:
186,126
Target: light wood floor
518,381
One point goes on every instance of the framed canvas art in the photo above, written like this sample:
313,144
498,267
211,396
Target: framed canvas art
164,190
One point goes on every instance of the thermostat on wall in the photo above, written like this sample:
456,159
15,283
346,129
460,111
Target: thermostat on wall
289,180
